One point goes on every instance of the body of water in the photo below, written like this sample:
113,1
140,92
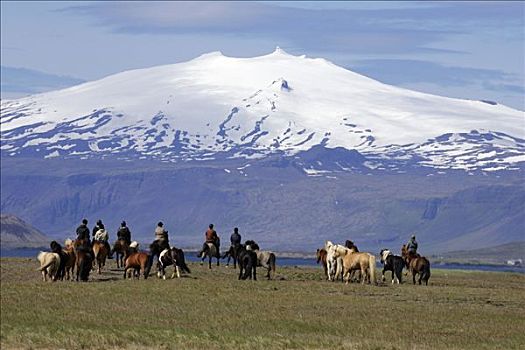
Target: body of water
191,256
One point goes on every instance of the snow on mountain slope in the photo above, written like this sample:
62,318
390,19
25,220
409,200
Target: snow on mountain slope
216,106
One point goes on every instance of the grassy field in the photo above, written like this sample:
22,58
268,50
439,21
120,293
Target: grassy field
213,310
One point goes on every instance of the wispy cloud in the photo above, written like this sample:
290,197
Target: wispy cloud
359,30
393,71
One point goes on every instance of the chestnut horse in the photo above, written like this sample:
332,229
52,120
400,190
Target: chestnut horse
121,251
417,265
101,253
321,258
137,261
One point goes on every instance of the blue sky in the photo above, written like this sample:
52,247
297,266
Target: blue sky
459,49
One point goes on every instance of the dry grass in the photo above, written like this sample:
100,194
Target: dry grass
212,310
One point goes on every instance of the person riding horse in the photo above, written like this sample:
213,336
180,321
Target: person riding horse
235,238
83,231
211,237
97,227
412,246
103,237
161,237
124,234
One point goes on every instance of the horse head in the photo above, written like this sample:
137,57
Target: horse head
384,253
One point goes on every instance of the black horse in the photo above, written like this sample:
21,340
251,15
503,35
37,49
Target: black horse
247,263
232,254
57,248
173,256
393,263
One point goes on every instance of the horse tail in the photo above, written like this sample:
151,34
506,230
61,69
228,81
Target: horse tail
372,266
248,266
426,272
183,265
149,263
84,268
46,266
271,263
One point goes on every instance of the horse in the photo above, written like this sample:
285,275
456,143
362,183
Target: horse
57,248
49,265
247,263
416,264
393,263
84,263
175,257
265,259
209,250
321,258
101,253
231,253
120,248
69,256
137,261
352,260
334,261
365,262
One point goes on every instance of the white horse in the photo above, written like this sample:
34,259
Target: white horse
334,260
49,263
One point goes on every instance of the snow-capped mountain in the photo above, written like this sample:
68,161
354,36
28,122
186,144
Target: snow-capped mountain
215,106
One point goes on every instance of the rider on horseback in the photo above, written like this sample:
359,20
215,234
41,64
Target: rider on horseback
211,237
235,238
98,226
412,245
83,231
161,237
124,234
103,237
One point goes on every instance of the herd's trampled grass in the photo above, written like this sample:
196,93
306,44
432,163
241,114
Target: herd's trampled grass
213,310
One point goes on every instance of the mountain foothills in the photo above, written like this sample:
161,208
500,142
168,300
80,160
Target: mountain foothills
15,232
292,150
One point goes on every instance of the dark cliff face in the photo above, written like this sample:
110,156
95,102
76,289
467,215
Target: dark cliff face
15,232
278,206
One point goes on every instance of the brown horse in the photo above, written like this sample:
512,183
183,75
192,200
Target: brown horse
121,251
363,262
101,253
83,258
417,264
137,261
321,258
84,263
70,256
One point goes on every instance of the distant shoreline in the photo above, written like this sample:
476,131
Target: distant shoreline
435,260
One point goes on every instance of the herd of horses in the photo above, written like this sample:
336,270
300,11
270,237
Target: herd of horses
340,262
82,256
347,263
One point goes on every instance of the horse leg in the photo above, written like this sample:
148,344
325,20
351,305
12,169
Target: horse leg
209,262
383,275
414,277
